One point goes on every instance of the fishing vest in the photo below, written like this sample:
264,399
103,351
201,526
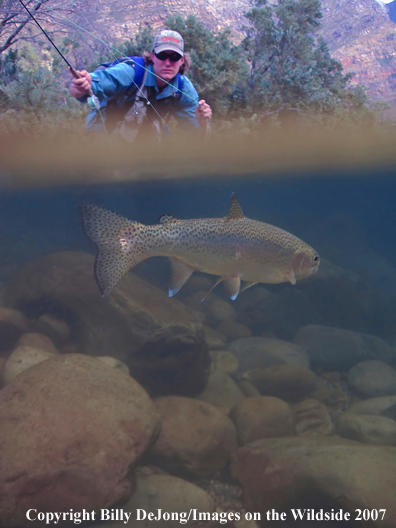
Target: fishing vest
138,107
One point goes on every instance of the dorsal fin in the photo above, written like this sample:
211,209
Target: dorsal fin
235,209
166,219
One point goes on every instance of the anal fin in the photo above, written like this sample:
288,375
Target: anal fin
247,285
181,272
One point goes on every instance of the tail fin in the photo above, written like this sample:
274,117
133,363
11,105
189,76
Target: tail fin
115,238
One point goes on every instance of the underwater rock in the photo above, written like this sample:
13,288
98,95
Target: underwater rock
22,358
290,382
13,324
342,299
221,391
282,313
79,426
196,438
233,330
219,310
58,330
248,389
114,363
372,378
169,494
160,339
263,352
216,340
262,417
285,473
37,340
338,349
373,405
224,360
311,418
390,412
369,429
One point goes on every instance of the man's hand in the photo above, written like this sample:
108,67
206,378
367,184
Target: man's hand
82,86
203,112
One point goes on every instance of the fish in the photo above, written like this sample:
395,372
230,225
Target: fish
235,248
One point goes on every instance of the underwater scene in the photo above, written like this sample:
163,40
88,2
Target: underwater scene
198,340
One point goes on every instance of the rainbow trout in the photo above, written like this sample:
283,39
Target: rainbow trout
235,248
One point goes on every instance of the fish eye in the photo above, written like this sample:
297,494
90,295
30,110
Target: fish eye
316,258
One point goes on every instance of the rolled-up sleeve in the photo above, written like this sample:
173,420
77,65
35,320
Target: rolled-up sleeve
113,81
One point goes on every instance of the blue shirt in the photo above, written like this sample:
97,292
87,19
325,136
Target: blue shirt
113,83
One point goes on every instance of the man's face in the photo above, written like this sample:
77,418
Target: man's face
164,67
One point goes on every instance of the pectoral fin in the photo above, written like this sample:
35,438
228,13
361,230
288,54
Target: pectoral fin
180,274
289,275
232,285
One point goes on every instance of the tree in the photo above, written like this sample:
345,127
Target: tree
217,64
32,93
290,64
77,20
142,41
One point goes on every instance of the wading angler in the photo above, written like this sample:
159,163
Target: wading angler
133,94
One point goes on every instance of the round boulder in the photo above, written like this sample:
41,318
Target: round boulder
72,428
263,352
196,438
262,417
12,324
338,349
168,494
292,383
372,378
377,430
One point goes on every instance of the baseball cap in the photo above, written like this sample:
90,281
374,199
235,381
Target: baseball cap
169,40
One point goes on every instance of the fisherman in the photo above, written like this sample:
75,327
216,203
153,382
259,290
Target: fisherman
163,92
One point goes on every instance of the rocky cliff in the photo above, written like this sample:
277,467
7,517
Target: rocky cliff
361,34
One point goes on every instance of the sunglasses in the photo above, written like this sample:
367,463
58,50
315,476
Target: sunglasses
174,57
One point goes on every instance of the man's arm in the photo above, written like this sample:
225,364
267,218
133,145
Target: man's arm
105,84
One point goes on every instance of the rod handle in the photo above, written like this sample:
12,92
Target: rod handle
76,75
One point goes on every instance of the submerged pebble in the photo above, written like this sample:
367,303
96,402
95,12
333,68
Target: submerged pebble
291,383
372,378
262,352
12,325
168,494
262,417
114,363
22,358
338,349
311,418
196,437
369,429
221,391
